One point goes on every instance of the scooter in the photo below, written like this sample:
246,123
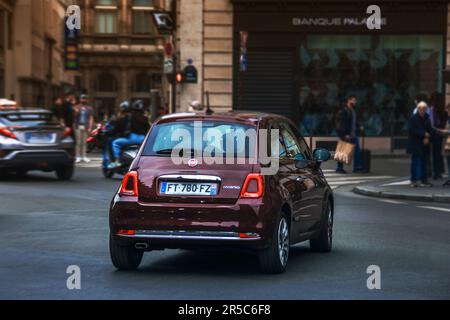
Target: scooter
126,159
96,138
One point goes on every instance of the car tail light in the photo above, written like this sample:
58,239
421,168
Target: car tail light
130,185
248,235
126,233
5,131
253,186
67,132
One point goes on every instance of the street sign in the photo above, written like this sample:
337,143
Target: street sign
190,74
164,22
168,49
168,66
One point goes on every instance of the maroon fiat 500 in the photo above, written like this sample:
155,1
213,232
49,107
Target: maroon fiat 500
230,180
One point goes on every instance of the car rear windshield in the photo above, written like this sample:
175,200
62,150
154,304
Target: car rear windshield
207,138
28,119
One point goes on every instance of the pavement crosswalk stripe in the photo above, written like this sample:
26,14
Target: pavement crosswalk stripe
435,208
358,178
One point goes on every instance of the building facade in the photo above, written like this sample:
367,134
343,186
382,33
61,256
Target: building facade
31,44
121,53
304,57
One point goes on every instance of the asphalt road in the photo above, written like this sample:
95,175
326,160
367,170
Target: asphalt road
47,225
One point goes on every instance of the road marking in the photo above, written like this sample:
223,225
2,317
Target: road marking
435,208
391,201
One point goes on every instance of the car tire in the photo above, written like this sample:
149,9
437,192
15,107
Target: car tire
65,173
274,259
324,242
124,257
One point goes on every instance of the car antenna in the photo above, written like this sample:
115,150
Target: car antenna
208,106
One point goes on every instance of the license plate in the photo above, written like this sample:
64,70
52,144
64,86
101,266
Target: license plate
188,189
39,137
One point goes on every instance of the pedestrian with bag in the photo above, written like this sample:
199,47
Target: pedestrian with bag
420,131
347,129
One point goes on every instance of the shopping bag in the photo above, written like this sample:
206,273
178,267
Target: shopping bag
344,152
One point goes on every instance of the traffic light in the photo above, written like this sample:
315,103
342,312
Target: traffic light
179,77
71,50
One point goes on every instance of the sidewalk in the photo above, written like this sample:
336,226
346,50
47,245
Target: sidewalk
400,189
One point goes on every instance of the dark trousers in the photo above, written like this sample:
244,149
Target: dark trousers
419,168
448,167
357,163
437,158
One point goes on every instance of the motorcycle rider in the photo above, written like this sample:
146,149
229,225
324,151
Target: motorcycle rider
135,127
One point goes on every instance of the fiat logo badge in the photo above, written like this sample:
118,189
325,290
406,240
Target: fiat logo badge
193,163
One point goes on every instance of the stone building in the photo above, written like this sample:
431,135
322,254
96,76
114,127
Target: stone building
31,40
304,57
121,52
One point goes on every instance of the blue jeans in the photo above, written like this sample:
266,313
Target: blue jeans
418,168
357,165
119,144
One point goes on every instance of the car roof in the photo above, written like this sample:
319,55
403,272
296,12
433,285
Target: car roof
23,111
250,117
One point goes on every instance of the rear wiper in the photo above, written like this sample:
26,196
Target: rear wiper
164,151
169,151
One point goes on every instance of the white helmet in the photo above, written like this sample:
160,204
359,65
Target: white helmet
196,105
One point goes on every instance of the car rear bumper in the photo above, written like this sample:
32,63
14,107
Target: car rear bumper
36,159
244,224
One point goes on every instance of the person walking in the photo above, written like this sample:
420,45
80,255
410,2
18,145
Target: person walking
446,144
347,130
83,124
420,131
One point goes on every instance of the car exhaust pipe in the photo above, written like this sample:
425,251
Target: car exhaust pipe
141,246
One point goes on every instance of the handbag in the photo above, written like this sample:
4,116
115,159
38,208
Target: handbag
344,152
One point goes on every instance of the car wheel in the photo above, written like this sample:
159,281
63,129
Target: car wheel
124,257
65,173
274,259
324,242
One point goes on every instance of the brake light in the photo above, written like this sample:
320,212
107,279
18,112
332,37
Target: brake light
130,185
67,132
126,233
6,132
253,186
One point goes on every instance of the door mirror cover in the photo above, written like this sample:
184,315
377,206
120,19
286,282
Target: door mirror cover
321,155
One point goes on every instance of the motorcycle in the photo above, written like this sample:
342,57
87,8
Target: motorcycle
126,158
96,138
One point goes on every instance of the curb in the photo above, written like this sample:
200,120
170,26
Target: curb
375,192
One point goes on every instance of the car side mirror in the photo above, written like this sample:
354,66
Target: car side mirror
321,155
300,161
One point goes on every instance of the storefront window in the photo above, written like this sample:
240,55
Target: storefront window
385,72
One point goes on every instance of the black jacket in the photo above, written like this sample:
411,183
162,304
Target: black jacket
139,124
344,123
417,127
121,126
